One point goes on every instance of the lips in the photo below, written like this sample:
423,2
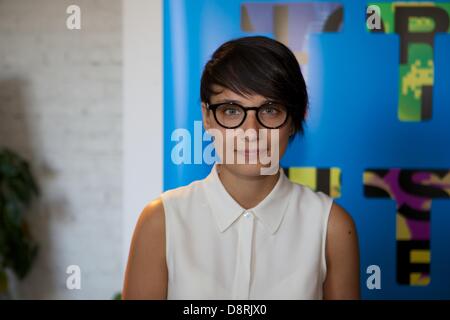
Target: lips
248,151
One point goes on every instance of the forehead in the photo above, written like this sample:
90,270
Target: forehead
224,94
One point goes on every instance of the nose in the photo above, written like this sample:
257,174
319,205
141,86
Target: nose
251,122
251,127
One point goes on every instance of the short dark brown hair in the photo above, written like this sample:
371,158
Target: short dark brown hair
258,65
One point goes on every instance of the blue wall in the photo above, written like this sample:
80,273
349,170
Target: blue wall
353,80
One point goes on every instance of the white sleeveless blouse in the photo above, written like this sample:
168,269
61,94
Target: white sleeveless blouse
215,249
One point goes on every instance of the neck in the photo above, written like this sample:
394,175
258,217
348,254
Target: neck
256,187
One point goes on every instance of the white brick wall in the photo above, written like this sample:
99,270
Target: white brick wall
60,107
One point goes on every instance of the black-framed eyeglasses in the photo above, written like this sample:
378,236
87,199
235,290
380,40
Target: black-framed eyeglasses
230,115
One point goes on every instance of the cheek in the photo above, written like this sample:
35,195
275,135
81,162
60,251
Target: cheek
220,140
282,141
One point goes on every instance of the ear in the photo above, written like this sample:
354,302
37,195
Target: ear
291,128
206,117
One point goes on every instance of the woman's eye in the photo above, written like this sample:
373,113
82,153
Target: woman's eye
231,111
270,110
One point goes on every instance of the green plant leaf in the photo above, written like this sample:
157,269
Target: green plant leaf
17,190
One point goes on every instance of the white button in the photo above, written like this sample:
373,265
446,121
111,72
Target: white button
247,214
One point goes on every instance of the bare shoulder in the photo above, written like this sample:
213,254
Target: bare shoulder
342,256
340,222
152,217
146,272
150,227
342,236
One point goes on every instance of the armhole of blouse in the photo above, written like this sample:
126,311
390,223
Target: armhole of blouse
328,204
167,230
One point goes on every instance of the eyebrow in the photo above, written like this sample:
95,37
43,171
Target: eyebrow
239,102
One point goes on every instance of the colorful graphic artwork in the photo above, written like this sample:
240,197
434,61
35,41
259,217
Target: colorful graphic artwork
379,106
413,192
417,25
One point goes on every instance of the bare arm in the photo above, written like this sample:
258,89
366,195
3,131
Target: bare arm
342,255
146,272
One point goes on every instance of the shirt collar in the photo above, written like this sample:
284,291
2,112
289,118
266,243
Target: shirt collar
226,210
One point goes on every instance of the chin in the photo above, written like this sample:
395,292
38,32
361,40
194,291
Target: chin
250,170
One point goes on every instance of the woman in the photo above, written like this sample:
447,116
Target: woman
240,233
